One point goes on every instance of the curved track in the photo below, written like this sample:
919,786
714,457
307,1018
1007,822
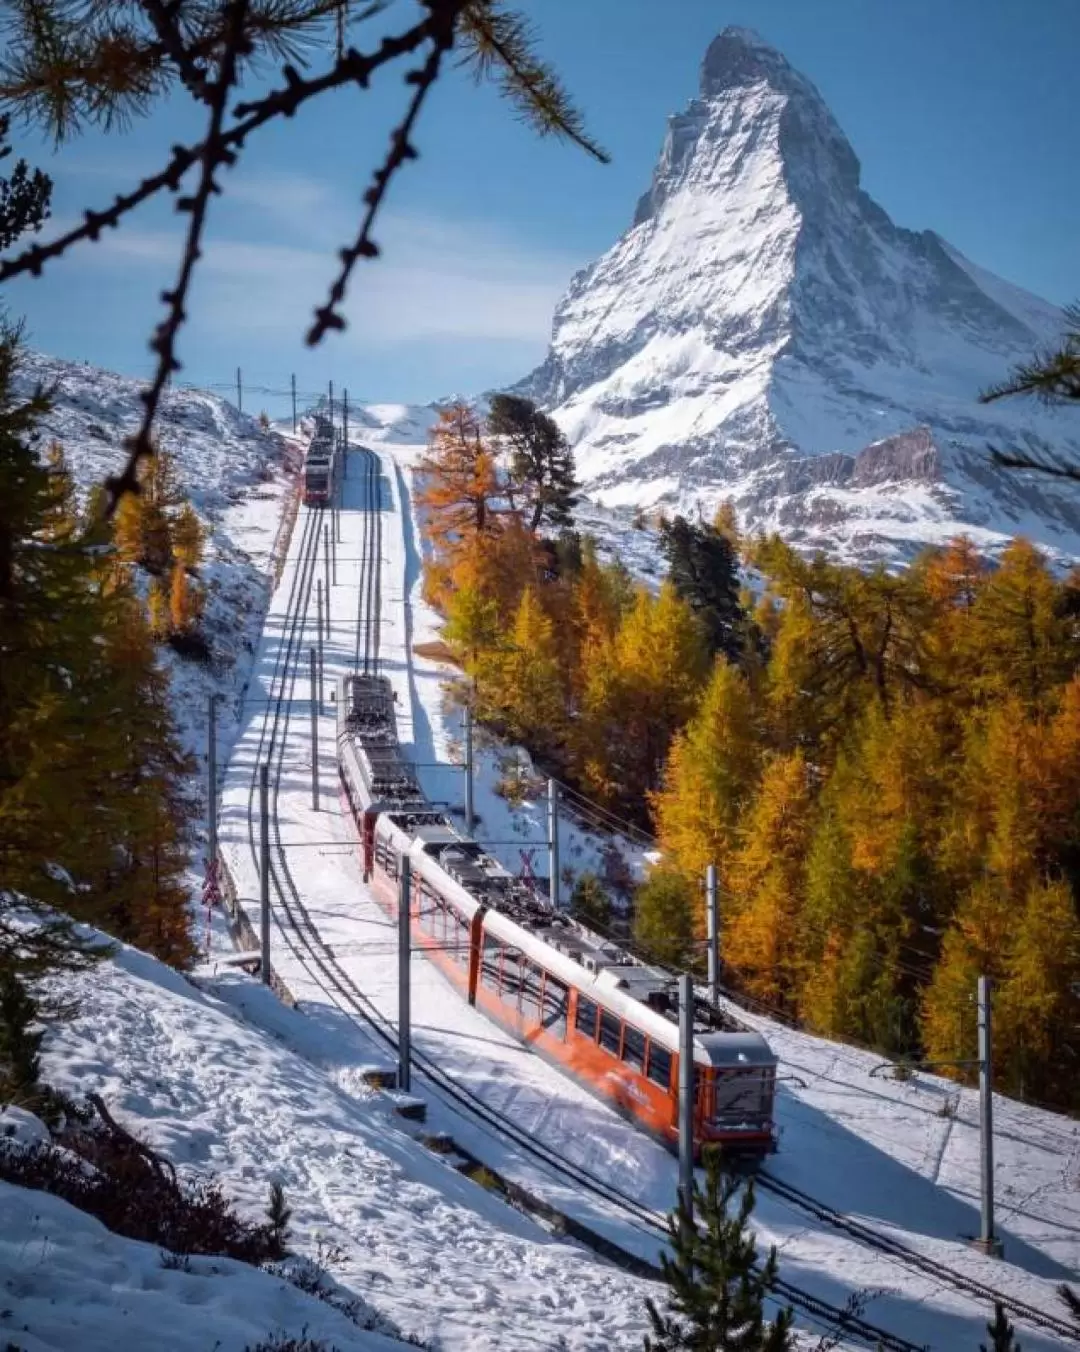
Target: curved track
305,942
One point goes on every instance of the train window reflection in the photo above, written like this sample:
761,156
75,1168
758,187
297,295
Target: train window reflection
610,1032
555,1001
585,1017
659,1065
633,1052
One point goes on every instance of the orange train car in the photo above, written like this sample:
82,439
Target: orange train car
603,1017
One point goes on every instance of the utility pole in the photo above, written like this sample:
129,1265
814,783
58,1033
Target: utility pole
345,416
553,843
264,872
318,625
712,921
326,573
331,403
333,543
211,776
988,1242
292,381
470,815
686,1092
239,393
314,732
404,955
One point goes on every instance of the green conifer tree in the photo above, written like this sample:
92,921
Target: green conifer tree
664,910
1002,1334
541,465
20,1041
705,571
717,1289
590,903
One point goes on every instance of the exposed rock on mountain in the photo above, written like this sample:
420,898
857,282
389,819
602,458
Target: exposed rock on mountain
764,332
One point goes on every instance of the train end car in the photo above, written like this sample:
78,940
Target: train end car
321,464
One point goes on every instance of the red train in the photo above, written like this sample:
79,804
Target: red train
322,464
605,1018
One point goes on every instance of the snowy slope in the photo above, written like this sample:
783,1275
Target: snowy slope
240,480
881,1151
763,331
194,1074
67,1282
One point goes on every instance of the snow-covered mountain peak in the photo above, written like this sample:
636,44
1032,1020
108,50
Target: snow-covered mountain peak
763,308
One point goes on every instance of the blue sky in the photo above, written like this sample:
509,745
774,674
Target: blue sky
961,112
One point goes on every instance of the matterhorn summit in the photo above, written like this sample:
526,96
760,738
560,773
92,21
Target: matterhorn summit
764,332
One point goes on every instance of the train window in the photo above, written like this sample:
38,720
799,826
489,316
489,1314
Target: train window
511,975
633,1052
610,1032
429,911
659,1065
489,967
555,999
458,937
531,992
585,1017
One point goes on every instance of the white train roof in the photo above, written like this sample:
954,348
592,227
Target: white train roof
460,870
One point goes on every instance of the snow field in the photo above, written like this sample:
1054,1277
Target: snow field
514,1082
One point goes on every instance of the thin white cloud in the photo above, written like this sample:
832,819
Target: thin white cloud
437,279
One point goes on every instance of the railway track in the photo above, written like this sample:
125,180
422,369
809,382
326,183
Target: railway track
304,940
911,1258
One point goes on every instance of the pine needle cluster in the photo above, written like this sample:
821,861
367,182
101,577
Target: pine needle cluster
717,1288
1052,376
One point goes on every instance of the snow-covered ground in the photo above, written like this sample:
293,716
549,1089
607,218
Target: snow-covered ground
219,1075
224,1078
889,1153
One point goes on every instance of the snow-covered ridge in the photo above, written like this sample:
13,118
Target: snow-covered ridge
763,311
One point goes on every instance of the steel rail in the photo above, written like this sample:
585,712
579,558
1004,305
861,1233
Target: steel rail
319,961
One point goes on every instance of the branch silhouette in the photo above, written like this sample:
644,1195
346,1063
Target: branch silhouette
69,63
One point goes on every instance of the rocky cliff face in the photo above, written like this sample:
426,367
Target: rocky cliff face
763,331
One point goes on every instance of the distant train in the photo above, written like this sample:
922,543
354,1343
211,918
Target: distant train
599,1014
322,464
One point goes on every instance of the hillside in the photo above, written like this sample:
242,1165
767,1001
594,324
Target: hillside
239,479
764,332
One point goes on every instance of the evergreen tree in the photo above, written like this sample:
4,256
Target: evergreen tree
525,683
639,690
590,903
664,910
144,783
188,538
459,480
50,614
158,608
185,602
717,1289
279,1214
765,883
704,569
1002,1334
1027,642
20,1041
25,194
1052,375
709,777
541,479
